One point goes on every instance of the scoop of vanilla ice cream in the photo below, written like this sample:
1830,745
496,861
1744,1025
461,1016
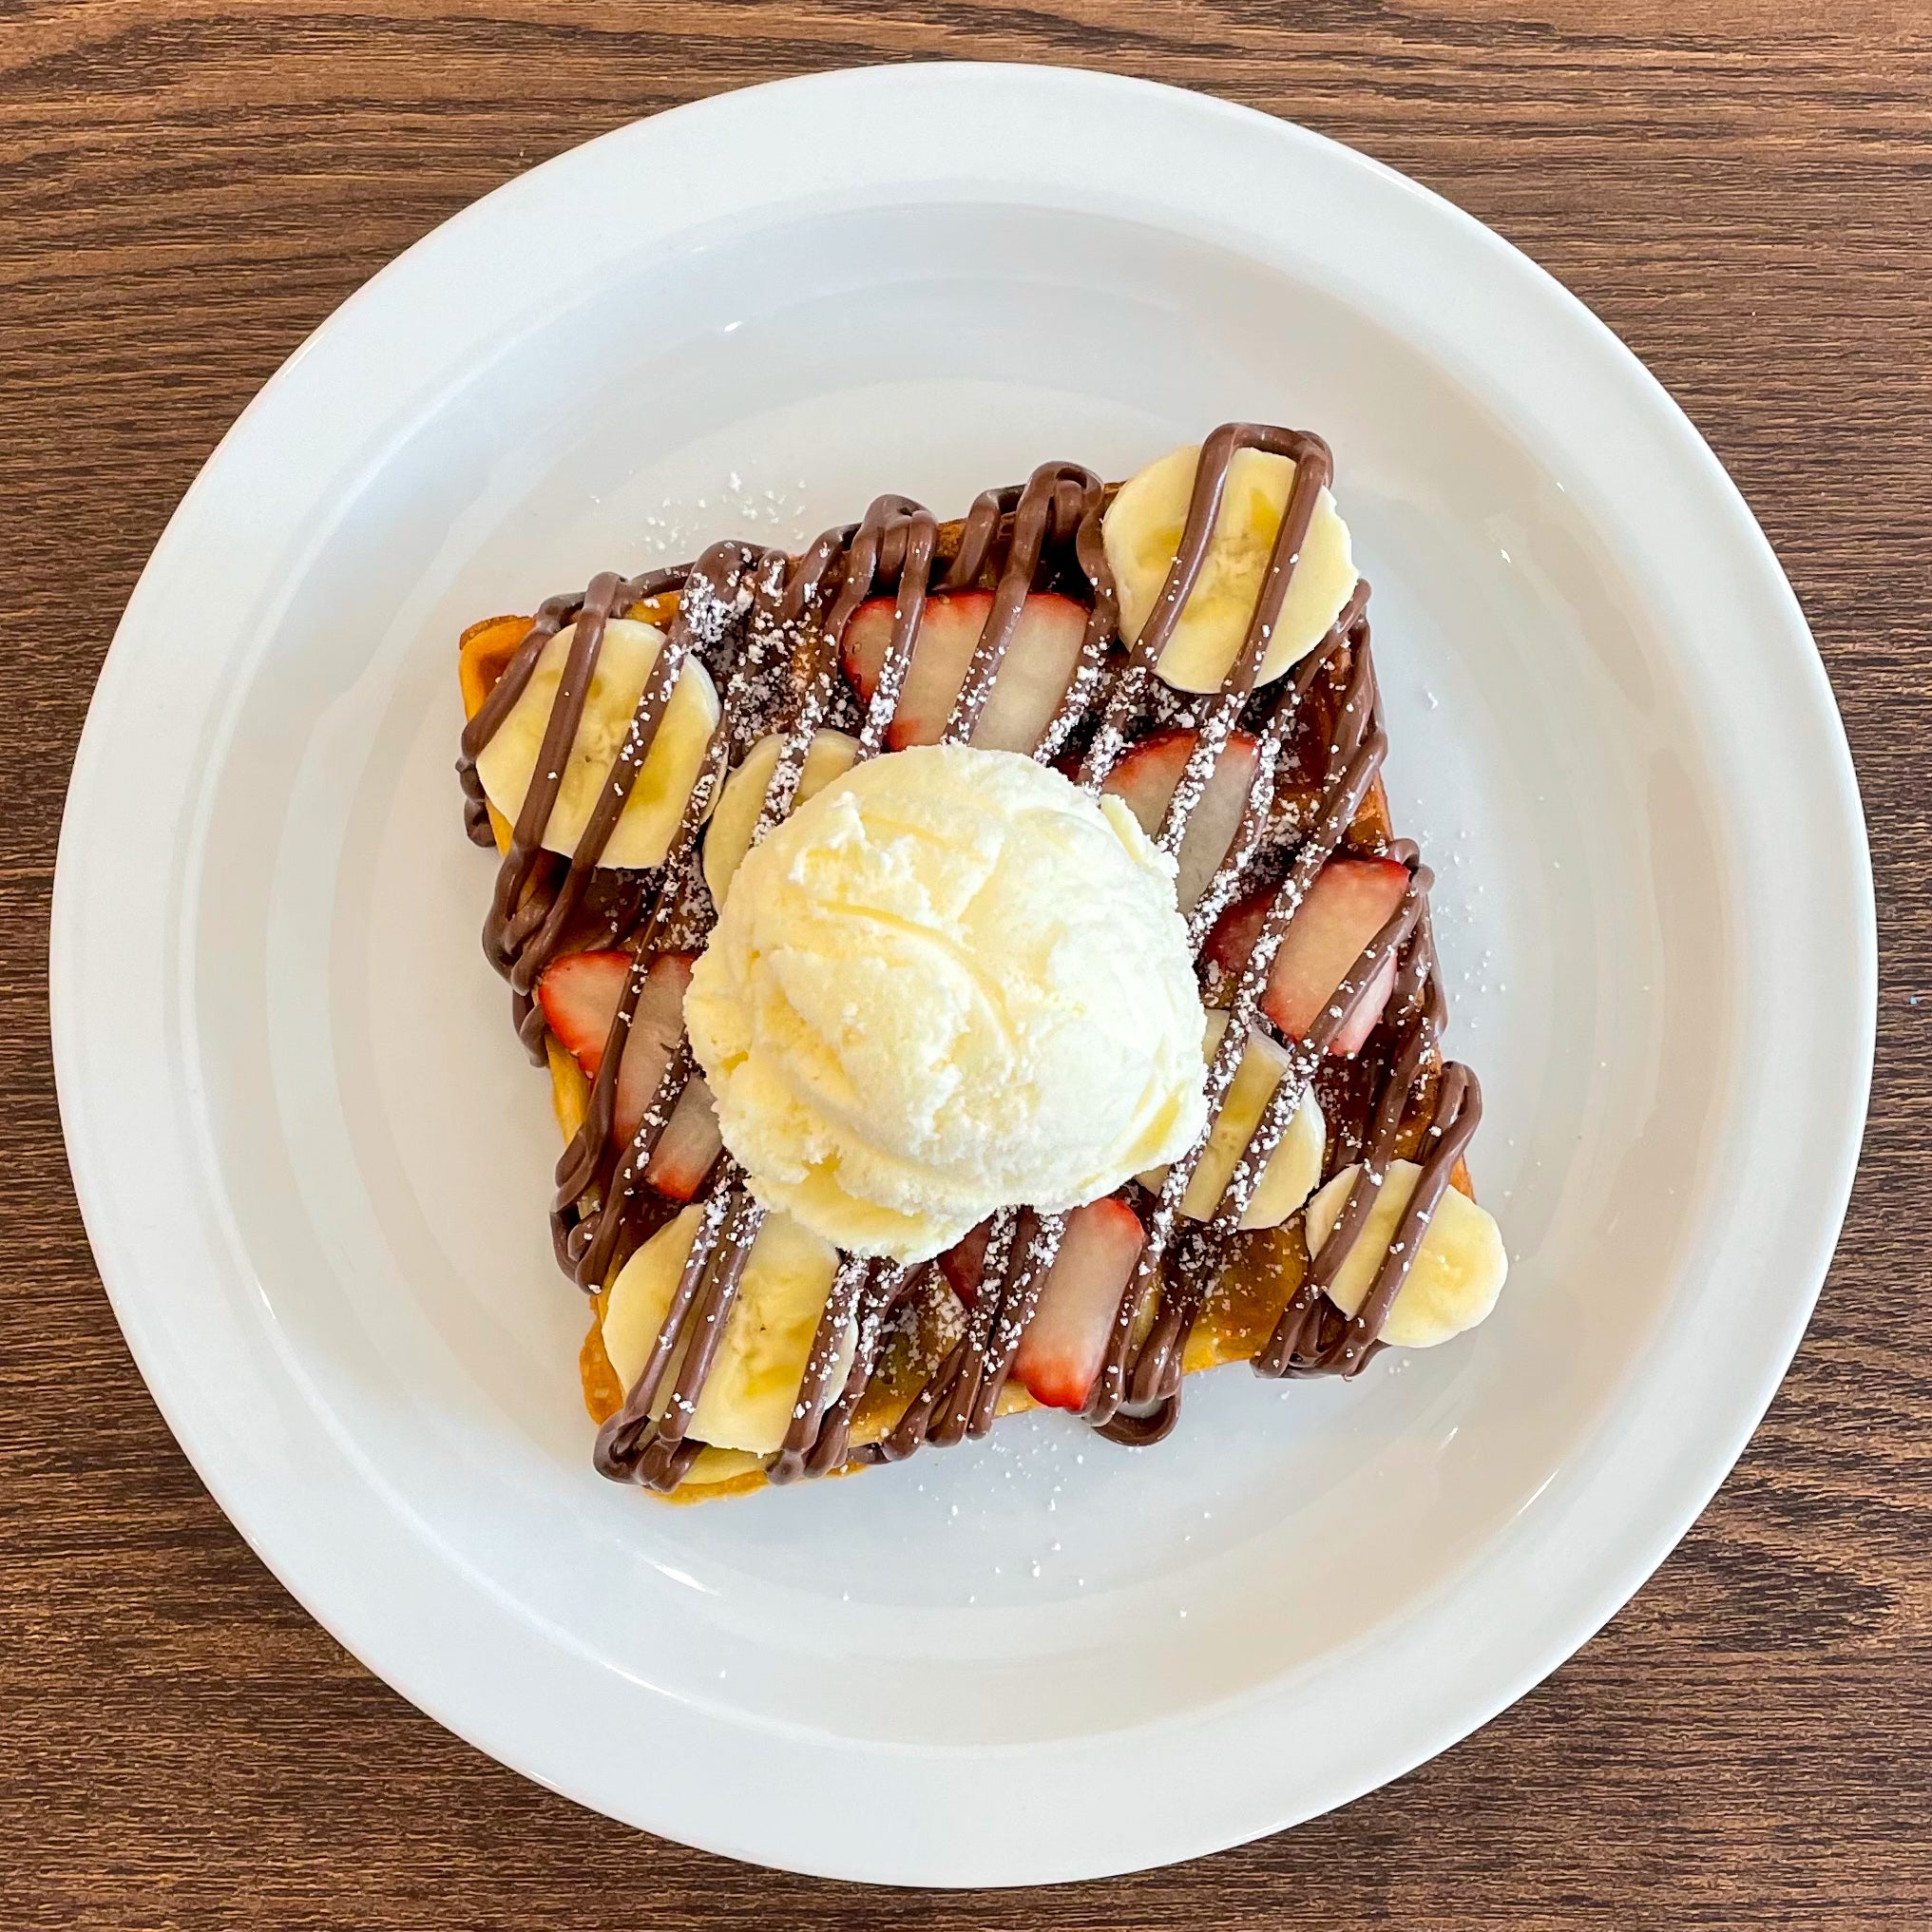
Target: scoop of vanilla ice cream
950,982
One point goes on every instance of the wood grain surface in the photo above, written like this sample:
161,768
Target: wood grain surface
1743,191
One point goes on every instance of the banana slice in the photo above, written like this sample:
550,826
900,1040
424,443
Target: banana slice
642,836
1142,531
1458,1271
1294,1167
748,1397
728,837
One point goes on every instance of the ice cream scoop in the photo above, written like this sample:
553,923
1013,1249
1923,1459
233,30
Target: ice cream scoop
950,982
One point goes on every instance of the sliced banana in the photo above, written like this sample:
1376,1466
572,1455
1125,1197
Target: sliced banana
1142,532
728,837
1294,1167
748,1397
642,836
1458,1271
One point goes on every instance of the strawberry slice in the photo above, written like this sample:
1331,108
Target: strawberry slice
1348,905
1360,1025
1032,678
1235,932
580,994
1145,778
1061,1353
689,1145
962,1264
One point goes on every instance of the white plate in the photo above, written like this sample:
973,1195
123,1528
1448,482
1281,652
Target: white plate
313,1164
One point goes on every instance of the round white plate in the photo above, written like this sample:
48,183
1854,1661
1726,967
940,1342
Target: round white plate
313,1162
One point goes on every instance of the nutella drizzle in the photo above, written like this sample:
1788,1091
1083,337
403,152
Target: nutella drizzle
775,624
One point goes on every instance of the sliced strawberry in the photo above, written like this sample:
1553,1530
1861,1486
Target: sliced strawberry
1032,678
1360,1024
689,1145
1145,778
963,1263
655,1028
1061,1353
1348,903
580,994
1235,932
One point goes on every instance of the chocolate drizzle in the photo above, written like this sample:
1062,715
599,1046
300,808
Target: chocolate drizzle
775,625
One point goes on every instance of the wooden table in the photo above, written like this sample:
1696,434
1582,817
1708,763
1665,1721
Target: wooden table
1743,191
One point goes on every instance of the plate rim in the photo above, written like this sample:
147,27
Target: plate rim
76,1046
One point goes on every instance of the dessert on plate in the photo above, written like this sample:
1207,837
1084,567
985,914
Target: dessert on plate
976,970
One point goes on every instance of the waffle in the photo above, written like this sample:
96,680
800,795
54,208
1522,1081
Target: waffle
932,1362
